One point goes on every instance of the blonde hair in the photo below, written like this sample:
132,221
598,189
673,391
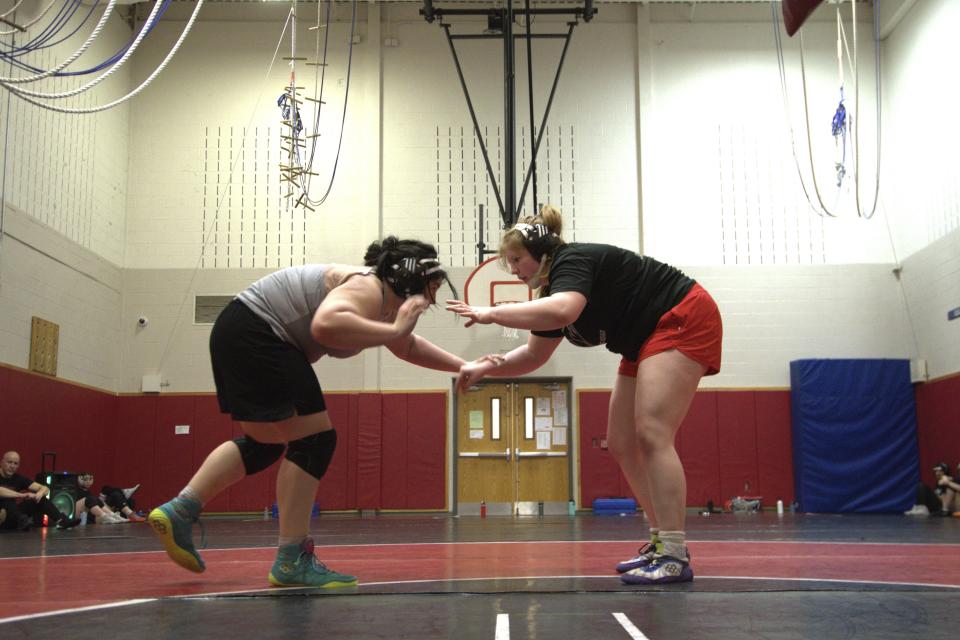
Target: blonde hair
512,239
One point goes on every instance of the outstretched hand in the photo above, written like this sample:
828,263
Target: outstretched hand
474,315
409,313
473,372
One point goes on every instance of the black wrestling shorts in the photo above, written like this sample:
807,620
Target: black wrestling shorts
259,377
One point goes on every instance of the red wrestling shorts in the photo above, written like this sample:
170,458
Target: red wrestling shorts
693,327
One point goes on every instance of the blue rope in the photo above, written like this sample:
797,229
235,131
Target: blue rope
838,128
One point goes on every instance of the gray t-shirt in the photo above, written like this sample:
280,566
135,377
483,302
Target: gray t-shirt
287,300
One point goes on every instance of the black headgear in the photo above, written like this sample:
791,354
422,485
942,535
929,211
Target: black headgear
410,276
536,238
943,466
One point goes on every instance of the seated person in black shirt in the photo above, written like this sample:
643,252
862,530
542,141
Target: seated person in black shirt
943,499
110,506
21,499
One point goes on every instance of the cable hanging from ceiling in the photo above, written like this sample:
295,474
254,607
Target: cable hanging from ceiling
842,121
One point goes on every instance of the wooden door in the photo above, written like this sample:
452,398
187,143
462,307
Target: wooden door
513,448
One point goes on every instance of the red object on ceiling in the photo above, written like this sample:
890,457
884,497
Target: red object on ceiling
795,12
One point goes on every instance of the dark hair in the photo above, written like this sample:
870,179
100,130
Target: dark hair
943,466
406,266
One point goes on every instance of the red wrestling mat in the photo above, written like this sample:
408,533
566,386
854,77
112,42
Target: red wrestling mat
47,584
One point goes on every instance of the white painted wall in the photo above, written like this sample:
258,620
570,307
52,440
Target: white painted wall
63,193
669,138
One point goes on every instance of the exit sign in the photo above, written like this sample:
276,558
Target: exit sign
953,314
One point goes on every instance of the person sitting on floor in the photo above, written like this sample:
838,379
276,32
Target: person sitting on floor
941,499
21,499
109,507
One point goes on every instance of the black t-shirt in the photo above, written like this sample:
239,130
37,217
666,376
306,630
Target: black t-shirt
16,482
626,295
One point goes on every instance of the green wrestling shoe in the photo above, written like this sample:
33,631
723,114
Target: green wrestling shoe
173,524
296,566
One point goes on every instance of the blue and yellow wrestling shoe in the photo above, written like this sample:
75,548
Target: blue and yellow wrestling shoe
296,566
663,569
173,524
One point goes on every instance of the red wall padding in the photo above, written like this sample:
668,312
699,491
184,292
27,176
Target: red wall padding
40,414
938,425
728,438
414,451
391,448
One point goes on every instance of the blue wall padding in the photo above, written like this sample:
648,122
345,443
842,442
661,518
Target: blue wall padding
854,435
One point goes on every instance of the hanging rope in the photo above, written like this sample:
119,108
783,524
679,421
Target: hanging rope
820,208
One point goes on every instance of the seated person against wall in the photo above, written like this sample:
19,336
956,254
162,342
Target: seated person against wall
942,499
21,499
109,507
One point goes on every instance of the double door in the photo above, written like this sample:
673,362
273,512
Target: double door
513,448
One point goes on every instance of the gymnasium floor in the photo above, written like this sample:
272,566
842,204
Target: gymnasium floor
440,576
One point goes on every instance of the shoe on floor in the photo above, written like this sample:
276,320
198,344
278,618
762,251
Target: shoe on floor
67,523
644,557
110,517
173,524
297,566
917,510
662,570
136,517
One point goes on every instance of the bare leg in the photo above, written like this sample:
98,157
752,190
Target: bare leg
622,442
666,384
295,492
296,489
223,467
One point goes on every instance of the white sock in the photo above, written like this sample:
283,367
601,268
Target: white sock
674,543
188,493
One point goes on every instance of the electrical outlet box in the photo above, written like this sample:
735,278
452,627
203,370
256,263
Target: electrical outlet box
181,429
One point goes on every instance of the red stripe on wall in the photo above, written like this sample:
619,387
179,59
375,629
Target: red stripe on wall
728,437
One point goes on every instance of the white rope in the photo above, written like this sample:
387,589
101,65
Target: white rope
223,196
133,93
856,155
32,22
133,47
76,54
806,114
6,13
856,121
786,106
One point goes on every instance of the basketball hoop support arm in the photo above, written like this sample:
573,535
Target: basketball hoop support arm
503,18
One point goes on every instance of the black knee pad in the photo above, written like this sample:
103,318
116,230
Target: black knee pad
257,456
90,502
313,453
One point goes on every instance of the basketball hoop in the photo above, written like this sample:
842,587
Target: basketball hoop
489,286
508,332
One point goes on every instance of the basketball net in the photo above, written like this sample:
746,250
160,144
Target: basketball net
508,332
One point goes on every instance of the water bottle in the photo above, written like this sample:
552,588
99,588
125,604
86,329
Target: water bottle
540,508
780,508
266,513
571,508
483,509
83,519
